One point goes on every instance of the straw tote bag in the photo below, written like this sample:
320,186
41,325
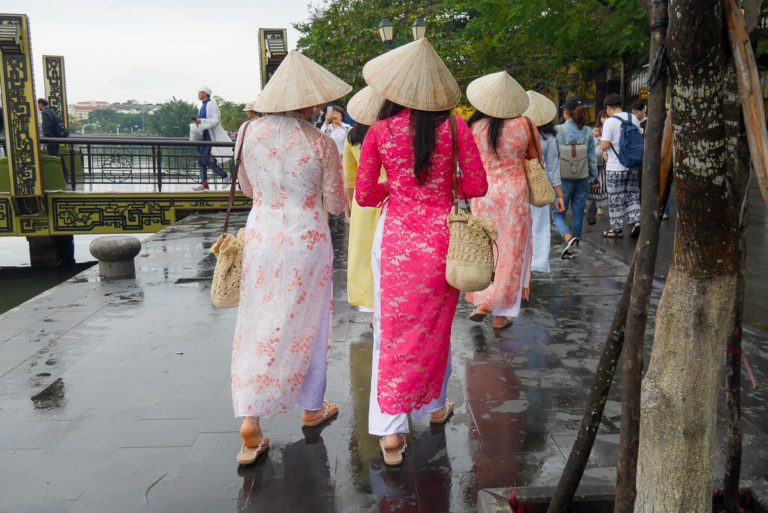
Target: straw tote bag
225,287
540,191
470,266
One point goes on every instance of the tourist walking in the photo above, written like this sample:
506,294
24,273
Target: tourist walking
505,139
598,193
542,112
414,305
364,108
52,126
578,170
623,180
293,173
638,109
249,111
209,121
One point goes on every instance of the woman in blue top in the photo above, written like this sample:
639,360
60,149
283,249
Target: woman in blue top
543,113
575,192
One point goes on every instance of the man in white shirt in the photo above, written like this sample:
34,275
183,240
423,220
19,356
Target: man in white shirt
623,184
335,127
209,120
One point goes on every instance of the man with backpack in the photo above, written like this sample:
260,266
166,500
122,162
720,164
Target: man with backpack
622,145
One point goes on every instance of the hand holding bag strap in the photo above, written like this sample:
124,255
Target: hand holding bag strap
455,151
233,178
535,140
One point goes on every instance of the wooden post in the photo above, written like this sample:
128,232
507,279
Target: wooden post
750,93
647,248
590,422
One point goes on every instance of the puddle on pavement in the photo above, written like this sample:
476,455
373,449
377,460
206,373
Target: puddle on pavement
52,397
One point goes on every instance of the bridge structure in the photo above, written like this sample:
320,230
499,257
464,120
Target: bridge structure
96,185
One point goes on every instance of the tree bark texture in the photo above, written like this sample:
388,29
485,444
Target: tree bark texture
646,251
696,312
590,422
733,390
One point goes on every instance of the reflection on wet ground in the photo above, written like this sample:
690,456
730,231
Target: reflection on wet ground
107,387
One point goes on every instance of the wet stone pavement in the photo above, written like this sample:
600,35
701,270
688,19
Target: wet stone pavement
106,388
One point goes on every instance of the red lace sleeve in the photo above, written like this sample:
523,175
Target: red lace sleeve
368,191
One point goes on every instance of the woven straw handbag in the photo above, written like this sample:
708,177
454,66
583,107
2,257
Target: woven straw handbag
470,265
225,286
540,191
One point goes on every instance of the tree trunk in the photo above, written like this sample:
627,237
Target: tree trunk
733,391
647,248
590,421
694,319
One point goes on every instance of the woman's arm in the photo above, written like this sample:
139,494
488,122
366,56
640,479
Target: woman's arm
552,162
369,192
350,170
474,183
242,176
334,200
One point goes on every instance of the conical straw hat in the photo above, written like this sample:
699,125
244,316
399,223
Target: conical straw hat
364,106
299,82
413,76
498,95
541,110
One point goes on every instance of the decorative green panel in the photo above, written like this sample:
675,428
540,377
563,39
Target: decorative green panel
20,116
56,86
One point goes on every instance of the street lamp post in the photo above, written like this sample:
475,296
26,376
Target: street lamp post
419,28
387,30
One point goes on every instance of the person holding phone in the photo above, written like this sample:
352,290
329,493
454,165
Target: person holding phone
335,126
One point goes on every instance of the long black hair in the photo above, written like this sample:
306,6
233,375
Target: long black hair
494,132
423,125
357,134
548,129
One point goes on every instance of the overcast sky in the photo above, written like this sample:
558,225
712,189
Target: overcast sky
151,50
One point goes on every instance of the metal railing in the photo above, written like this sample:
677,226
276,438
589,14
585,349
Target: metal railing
149,161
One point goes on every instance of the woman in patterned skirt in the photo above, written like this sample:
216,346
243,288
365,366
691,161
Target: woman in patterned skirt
414,305
505,139
293,173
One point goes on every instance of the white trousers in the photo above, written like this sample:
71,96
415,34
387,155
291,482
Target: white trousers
380,423
515,310
542,238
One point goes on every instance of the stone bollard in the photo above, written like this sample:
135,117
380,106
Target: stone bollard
115,254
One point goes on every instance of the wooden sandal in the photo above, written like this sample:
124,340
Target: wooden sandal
249,455
447,412
500,322
330,410
478,314
393,457
610,234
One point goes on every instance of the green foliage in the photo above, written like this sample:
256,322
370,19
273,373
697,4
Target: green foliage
544,42
109,120
343,34
540,42
172,118
232,115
